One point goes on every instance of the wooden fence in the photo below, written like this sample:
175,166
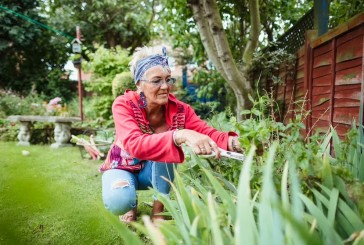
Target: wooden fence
328,79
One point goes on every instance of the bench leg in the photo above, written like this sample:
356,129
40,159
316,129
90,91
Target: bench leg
62,135
24,134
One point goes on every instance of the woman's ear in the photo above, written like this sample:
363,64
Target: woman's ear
138,85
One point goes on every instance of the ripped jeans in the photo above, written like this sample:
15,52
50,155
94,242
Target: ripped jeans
119,186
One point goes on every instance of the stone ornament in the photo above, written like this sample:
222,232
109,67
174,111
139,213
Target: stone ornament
62,135
24,134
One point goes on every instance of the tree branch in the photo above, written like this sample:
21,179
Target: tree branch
235,77
254,32
205,34
152,16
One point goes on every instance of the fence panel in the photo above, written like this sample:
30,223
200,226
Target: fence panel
328,80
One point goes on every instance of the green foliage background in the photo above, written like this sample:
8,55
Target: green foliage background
105,64
31,59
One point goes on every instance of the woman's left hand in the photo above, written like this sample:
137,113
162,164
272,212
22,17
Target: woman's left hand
234,144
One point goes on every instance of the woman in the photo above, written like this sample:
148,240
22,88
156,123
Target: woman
151,125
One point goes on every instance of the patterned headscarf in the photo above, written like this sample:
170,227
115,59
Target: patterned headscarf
154,60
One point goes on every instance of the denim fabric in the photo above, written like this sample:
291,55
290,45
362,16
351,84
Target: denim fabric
119,186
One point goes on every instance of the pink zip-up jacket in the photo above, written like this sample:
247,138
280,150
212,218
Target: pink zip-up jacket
135,140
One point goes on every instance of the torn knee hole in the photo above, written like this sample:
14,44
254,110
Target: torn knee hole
120,184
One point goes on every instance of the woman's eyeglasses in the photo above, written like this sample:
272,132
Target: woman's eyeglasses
158,82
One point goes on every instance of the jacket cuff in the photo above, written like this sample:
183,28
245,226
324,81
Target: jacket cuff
226,140
176,151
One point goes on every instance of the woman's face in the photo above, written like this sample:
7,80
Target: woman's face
155,93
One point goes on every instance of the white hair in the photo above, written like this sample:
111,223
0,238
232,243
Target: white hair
141,53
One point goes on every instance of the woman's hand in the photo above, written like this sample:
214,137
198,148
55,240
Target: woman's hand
234,144
201,144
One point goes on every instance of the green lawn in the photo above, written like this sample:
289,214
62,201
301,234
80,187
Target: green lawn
53,196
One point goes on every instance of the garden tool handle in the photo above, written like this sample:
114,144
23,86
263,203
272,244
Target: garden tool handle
228,154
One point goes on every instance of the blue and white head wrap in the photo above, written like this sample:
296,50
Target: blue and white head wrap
154,60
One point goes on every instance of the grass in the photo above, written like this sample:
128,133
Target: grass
53,196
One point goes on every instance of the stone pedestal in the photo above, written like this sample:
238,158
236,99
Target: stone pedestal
24,134
62,134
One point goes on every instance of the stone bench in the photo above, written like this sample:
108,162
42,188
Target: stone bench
62,128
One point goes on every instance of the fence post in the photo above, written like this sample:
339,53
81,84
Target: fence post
321,13
307,78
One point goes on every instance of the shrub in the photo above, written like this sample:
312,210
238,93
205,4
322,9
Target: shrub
212,94
267,62
8,131
122,82
12,103
104,65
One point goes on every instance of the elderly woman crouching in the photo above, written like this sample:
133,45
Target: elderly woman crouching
151,125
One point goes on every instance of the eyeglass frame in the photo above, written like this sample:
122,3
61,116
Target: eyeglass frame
159,84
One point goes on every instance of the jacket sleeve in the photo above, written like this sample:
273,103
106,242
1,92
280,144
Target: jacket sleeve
156,147
194,122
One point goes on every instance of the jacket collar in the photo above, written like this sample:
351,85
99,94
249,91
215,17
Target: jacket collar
171,106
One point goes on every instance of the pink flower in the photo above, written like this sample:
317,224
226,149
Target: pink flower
55,101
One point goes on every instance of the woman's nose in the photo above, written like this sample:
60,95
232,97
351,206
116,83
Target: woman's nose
164,85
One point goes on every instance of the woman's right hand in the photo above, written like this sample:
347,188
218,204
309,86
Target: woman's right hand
201,144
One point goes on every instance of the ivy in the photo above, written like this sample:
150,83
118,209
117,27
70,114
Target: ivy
267,63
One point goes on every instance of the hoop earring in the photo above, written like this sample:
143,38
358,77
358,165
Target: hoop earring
142,102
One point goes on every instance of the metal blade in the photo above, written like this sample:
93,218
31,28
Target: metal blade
233,155
228,154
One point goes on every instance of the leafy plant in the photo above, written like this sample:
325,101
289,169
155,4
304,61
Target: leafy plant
104,65
349,153
122,82
75,57
12,103
267,62
8,131
342,10
210,210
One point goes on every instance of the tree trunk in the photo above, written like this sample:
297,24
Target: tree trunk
254,32
209,23
110,39
243,102
206,36
152,15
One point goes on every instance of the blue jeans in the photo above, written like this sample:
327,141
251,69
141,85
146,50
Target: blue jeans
119,186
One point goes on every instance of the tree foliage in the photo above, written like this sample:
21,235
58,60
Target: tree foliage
342,10
176,20
110,22
31,58
241,27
